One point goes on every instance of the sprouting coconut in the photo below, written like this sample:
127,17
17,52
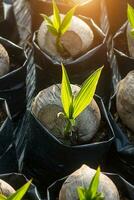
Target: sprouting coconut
7,192
125,100
130,30
82,179
76,114
4,61
6,189
69,39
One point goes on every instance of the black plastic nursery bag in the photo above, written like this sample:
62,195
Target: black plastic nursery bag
13,84
49,71
8,25
123,150
117,13
8,157
47,159
17,181
123,186
125,63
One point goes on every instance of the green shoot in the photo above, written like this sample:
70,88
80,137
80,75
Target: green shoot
18,195
130,14
57,26
92,192
74,105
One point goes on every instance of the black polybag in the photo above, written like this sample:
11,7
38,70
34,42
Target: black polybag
46,159
17,181
117,13
8,157
125,63
91,9
13,84
48,70
122,185
123,151
8,25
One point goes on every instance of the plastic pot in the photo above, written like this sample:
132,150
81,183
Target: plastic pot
8,21
8,158
117,13
123,150
47,159
49,71
17,181
13,84
126,188
91,8
125,63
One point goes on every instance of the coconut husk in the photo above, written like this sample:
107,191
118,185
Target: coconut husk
125,100
4,61
82,178
46,106
77,40
6,189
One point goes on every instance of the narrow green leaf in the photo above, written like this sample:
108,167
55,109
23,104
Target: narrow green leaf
56,16
85,95
93,188
47,19
18,195
81,193
130,14
66,92
67,20
2,197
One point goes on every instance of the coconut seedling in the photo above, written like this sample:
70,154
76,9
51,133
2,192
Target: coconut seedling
65,109
130,30
8,193
88,184
64,37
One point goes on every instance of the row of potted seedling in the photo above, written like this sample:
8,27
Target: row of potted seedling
60,141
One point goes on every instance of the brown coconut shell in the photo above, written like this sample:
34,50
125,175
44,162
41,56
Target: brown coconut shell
6,189
82,178
47,104
4,61
77,40
125,100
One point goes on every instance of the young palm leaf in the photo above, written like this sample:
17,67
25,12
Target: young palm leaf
130,14
57,26
92,192
73,106
18,195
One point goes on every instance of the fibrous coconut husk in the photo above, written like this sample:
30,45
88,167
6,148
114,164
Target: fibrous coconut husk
82,178
77,40
6,189
4,61
47,104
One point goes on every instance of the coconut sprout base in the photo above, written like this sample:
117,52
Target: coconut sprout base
53,190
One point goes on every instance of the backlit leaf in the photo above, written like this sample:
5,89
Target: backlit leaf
67,20
130,14
56,16
66,93
81,193
2,197
18,195
85,95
